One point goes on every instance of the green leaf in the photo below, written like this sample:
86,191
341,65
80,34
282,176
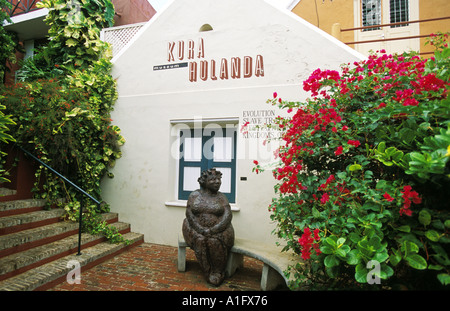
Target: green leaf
386,271
444,278
407,135
342,251
432,235
331,241
353,257
381,147
315,213
354,237
355,167
424,217
409,247
327,250
340,242
404,228
71,42
447,223
361,273
416,261
381,256
331,261
395,257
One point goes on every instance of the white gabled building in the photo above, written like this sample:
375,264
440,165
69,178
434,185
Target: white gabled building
188,81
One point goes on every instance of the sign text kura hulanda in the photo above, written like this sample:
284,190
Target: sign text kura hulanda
191,54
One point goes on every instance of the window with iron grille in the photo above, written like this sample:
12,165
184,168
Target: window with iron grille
399,12
371,13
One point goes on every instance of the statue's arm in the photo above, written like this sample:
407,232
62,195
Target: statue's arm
191,217
225,219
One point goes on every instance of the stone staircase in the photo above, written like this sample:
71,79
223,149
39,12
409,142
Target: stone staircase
38,248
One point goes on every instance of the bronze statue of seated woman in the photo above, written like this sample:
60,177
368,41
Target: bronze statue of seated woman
207,228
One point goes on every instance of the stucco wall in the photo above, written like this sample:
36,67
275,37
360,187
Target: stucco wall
433,9
152,104
324,14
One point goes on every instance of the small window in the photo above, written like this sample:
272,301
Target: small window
371,14
202,149
399,12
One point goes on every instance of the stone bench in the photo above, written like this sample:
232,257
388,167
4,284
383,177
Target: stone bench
275,261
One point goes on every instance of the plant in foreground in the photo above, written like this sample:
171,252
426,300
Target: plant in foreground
364,164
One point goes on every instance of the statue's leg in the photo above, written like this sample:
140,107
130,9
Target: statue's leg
218,254
197,243
201,253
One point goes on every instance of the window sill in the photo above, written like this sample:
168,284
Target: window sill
180,203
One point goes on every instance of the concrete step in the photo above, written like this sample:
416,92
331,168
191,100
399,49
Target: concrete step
37,244
23,240
7,192
20,222
16,207
55,272
23,261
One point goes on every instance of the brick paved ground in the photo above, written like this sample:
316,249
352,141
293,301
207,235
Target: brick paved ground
151,267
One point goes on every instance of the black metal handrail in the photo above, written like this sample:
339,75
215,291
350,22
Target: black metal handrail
80,218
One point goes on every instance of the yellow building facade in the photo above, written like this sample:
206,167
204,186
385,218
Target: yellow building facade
371,25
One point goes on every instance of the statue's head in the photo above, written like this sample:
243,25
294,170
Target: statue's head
210,179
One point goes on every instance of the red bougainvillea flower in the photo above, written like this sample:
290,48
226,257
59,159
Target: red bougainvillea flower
355,143
330,179
388,197
409,197
313,83
338,150
381,105
325,198
316,234
308,241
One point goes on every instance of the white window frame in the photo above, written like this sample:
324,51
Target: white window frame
198,123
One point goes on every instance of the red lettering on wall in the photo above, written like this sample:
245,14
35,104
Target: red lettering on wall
170,51
204,70
201,48
193,71
259,70
248,67
213,70
191,49
180,50
235,67
224,69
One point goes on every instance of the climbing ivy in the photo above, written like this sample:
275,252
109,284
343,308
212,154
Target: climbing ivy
62,108
8,40
75,30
